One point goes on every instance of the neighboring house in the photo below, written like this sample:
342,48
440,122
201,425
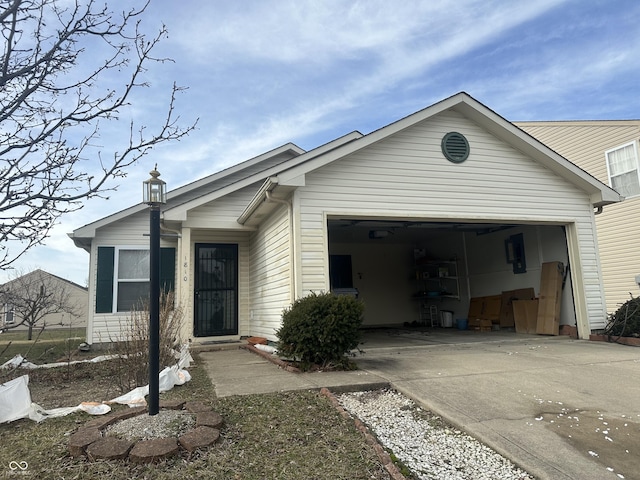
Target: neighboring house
29,285
451,182
608,150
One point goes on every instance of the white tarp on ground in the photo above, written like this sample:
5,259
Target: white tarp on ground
19,362
15,397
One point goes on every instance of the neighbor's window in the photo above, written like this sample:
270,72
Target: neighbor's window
132,278
622,166
8,314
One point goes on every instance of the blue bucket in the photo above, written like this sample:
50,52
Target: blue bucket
461,323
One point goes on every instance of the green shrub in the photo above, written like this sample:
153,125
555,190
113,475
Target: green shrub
320,329
626,321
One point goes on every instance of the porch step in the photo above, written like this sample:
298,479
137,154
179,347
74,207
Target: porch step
213,346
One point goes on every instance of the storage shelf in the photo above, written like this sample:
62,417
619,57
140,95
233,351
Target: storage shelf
439,277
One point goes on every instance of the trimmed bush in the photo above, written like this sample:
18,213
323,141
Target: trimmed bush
320,329
626,321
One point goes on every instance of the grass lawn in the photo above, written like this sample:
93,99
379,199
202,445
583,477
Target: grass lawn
282,436
51,345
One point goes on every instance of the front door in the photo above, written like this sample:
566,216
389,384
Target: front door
216,290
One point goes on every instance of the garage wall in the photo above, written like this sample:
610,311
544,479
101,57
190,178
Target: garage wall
406,176
490,274
382,275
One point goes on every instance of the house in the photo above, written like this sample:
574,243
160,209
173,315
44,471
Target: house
450,184
59,303
608,150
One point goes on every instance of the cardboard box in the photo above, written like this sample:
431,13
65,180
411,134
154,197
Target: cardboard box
525,315
506,308
475,309
551,278
491,310
485,308
483,325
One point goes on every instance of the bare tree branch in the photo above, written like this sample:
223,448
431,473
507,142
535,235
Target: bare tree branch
54,94
32,296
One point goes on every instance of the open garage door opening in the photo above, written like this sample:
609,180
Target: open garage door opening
437,274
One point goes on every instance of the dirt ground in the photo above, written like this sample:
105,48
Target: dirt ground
62,387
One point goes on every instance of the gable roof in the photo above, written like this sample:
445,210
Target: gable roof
82,236
40,274
293,174
179,212
289,173
464,104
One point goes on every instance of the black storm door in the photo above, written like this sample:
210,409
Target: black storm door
216,290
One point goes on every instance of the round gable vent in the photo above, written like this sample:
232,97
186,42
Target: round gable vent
455,147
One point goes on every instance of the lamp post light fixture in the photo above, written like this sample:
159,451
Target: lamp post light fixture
154,194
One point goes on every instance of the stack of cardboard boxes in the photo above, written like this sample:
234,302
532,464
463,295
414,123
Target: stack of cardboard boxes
520,309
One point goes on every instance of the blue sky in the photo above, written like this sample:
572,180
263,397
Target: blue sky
261,73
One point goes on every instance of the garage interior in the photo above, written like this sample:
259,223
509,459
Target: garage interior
408,272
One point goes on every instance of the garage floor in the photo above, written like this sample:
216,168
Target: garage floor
403,337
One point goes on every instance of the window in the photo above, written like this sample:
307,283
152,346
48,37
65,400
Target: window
122,279
622,167
132,279
8,314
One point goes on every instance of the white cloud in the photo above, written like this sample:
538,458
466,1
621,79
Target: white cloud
263,72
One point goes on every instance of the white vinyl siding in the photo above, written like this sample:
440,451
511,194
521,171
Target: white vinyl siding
270,281
406,176
222,213
130,231
622,167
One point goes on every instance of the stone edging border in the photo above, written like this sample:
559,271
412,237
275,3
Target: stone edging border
383,456
268,356
631,341
89,441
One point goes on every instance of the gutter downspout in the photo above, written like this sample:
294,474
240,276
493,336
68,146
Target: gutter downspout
292,255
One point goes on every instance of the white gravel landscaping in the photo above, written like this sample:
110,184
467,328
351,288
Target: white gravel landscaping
423,442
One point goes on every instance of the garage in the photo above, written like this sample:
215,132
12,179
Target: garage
424,273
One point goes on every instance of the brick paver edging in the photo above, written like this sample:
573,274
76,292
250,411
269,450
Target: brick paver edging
384,457
273,359
90,441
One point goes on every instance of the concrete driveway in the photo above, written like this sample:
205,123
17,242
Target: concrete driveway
559,408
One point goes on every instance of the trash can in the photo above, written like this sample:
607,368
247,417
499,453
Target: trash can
447,318
461,323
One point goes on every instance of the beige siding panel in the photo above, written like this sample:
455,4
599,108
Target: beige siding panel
224,210
618,234
133,230
407,176
584,143
270,278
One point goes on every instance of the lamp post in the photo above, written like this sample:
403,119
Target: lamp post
154,194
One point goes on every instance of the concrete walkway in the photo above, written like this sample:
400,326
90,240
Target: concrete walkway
557,407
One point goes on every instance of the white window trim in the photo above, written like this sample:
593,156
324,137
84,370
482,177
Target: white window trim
632,143
116,274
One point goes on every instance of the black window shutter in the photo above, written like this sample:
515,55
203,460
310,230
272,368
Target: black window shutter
104,280
167,269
